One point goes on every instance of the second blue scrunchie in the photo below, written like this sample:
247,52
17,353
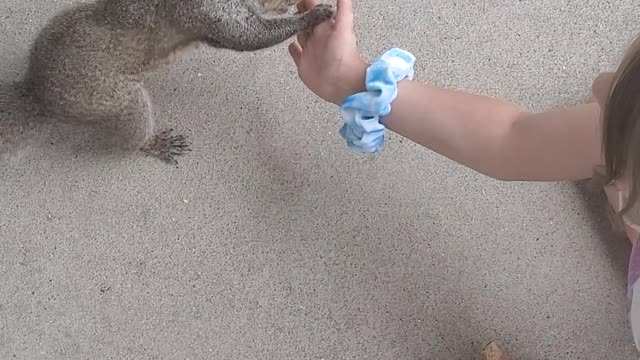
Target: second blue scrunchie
362,129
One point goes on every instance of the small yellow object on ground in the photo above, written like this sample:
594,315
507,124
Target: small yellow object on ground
493,352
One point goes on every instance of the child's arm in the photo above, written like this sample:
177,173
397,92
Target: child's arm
496,137
492,136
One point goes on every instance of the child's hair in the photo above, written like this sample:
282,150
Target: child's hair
621,126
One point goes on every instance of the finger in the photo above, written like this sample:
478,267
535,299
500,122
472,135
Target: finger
304,5
344,14
296,52
319,31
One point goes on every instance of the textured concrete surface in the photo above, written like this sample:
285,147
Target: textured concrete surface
274,241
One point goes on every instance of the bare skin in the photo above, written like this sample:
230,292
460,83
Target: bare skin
600,87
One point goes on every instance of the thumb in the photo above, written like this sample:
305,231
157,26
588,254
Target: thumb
296,52
344,15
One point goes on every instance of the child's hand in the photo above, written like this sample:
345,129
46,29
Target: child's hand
327,57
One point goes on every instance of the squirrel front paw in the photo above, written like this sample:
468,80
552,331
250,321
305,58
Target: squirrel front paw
320,14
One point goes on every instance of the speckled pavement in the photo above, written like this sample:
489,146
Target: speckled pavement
272,240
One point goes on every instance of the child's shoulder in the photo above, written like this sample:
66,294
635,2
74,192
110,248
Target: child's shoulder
600,87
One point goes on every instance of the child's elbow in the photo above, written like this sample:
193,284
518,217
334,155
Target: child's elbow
507,176
497,172
512,156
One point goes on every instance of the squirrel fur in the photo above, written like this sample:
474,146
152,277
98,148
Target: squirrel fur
88,64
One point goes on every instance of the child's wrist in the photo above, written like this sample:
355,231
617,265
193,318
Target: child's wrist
363,111
353,82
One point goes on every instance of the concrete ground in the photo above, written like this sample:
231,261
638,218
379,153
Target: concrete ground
272,240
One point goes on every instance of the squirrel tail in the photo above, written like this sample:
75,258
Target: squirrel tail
19,119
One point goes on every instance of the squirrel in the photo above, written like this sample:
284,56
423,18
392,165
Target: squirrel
87,65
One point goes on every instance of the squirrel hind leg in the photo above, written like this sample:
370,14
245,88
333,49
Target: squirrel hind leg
164,145
131,129
113,120
135,131
126,130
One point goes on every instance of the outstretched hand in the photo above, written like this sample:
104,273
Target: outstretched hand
327,57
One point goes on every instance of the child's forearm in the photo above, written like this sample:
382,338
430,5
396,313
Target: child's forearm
468,129
498,138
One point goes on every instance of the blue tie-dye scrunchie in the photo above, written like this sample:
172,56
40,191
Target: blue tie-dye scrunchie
362,129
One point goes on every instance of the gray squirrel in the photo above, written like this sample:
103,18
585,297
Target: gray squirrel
88,64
